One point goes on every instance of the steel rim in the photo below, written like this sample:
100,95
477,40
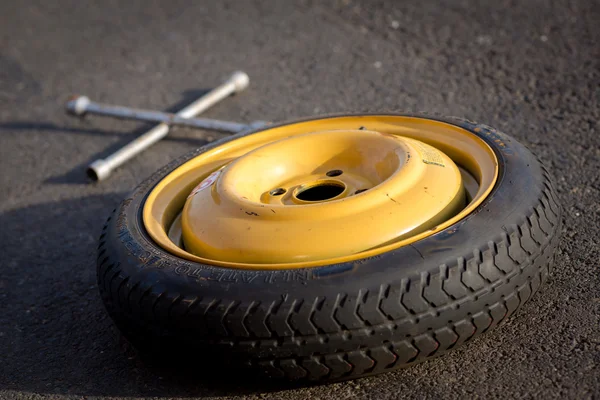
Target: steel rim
176,194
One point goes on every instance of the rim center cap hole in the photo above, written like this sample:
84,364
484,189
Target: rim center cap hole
321,192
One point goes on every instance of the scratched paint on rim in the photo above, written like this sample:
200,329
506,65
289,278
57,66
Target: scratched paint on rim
212,178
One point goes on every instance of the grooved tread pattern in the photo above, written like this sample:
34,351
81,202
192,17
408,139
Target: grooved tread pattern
352,334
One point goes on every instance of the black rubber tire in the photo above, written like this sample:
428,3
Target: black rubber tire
345,320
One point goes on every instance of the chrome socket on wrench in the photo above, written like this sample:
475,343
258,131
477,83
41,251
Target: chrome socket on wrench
102,168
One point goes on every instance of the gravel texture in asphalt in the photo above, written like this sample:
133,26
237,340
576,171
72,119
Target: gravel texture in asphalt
530,68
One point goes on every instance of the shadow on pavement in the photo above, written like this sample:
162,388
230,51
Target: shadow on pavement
56,337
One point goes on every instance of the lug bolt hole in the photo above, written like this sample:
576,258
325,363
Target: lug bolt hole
360,191
277,192
334,172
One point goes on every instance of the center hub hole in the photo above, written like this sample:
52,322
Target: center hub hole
320,192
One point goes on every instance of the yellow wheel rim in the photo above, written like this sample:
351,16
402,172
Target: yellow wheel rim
319,192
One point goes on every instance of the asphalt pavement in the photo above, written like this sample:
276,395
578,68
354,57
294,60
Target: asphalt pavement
529,68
